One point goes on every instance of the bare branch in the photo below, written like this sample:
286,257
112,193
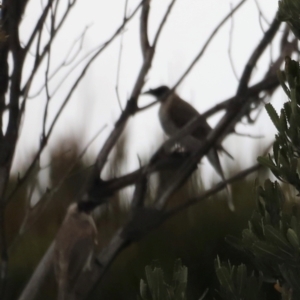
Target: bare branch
268,37
230,45
163,22
119,60
39,25
40,57
43,137
140,191
261,15
200,54
269,83
66,62
144,28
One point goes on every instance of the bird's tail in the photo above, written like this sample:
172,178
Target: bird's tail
213,158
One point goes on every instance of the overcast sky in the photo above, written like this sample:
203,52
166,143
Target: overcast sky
95,104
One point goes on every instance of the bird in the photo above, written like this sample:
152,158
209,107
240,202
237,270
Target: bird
174,114
74,249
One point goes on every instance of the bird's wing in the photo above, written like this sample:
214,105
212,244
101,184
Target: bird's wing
182,113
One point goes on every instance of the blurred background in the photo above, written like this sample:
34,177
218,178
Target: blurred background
197,234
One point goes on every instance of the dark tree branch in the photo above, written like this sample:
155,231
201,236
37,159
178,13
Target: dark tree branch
266,40
140,224
269,83
39,25
163,22
12,14
144,28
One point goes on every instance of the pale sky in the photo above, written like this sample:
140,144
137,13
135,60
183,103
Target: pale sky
94,104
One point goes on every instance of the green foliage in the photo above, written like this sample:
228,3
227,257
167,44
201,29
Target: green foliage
155,287
286,148
288,11
236,284
272,239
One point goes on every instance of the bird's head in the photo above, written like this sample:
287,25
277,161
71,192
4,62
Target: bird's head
159,92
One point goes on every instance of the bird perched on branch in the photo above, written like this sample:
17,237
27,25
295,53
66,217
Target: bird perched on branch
74,249
174,114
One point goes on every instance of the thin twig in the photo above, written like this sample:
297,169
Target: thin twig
144,28
261,16
74,67
66,62
72,89
43,137
266,40
249,135
163,22
38,26
230,45
270,82
200,54
40,57
120,58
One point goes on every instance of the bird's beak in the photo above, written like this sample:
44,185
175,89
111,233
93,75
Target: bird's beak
149,92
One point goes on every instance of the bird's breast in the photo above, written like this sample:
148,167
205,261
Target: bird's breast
188,142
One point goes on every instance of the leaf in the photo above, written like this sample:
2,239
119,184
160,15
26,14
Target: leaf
266,251
155,279
293,238
144,290
249,238
278,239
273,116
276,151
266,162
283,121
180,276
281,77
225,279
241,278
